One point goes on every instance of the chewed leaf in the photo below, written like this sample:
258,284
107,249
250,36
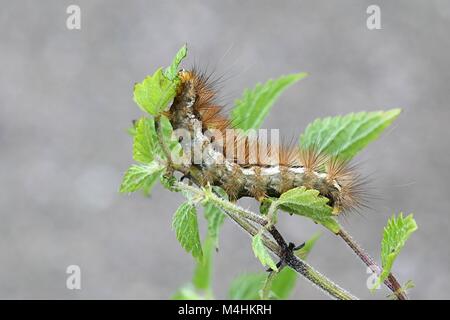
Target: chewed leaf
396,232
251,109
154,93
186,228
308,203
345,136
172,71
261,252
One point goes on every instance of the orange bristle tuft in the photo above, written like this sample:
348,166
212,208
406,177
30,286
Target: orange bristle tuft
311,159
338,169
289,156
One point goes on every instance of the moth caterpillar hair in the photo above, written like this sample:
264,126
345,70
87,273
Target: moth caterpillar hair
262,169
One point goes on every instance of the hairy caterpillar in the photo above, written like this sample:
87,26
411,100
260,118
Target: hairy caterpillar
268,174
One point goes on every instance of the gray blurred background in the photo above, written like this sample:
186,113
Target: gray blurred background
66,102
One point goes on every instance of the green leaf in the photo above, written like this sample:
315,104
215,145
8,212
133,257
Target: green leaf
145,141
140,176
154,93
308,203
203,270
149,183
186,228
247,286
345,136
171,141
251,109
395,234
261,252
171,72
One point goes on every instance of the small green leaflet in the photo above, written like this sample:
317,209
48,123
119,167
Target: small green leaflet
154,93
261,252
171,72
146,144
175,147
186,228
345,136
395,234
150,183
145,140
146,148
247,286
140,176
308,203
254,105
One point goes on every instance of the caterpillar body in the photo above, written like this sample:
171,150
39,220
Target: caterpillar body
270,173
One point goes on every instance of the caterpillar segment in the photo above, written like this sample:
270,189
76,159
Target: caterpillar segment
263,170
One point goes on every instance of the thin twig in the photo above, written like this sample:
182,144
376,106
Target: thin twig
280,248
